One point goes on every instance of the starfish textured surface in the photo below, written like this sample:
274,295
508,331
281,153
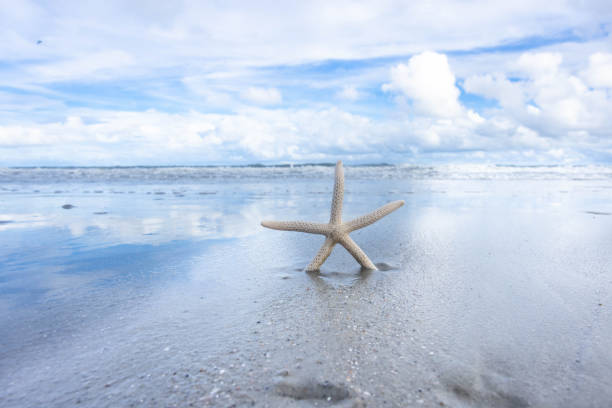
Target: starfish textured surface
336,231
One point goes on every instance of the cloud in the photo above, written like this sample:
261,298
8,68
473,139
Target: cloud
206,35
348,93
262,96
544,109
212,94
193,82
544,112
97,66
599,72
152,136
428,82
550,105
539,65
496,87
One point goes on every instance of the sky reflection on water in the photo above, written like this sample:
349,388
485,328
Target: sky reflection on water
46,247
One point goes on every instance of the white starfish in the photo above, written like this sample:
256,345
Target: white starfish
336,231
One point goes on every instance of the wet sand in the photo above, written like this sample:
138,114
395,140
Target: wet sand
490,293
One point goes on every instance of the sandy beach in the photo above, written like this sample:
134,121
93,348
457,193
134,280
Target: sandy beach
158,287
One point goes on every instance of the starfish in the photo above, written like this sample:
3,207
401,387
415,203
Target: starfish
336,231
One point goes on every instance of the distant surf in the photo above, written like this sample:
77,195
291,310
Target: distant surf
190,174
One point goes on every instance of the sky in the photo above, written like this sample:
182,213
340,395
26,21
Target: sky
239,82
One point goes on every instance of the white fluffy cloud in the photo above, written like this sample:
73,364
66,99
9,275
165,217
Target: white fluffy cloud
550,106
548,97
545,110
429,83
599,72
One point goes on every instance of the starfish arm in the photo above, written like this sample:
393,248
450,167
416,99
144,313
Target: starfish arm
357,253
322,255
302,226
374,216
336,209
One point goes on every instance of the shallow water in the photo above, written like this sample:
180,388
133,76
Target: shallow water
159,287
